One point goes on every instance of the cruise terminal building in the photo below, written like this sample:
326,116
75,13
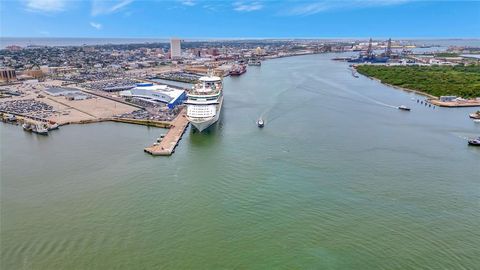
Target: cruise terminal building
156,93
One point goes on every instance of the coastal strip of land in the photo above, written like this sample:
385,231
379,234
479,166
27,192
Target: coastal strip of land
460,83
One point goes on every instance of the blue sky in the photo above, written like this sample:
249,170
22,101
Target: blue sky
239,19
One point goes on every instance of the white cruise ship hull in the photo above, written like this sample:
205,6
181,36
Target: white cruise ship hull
203,124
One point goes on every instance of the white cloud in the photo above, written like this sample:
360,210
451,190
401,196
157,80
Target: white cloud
45,5
326,5
247,7
100,7
97,26
210,7
189,3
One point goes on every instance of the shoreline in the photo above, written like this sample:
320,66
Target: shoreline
395,86
143,122
430,98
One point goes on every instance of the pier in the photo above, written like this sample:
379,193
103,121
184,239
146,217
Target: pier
167,146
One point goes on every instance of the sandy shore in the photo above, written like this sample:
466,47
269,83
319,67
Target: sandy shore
466,103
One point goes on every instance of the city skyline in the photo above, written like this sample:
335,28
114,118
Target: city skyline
241,19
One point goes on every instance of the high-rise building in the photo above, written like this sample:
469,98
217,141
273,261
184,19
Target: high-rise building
175,48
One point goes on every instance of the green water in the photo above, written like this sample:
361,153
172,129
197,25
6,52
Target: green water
337,179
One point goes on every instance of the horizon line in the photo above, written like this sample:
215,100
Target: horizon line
245,38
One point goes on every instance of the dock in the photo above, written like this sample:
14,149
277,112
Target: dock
167,146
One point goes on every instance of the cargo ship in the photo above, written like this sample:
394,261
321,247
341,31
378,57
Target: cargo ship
238,70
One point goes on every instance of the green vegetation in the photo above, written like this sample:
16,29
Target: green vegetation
462,81
446,54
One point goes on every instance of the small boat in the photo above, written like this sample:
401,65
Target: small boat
11,118
260,123
474,142
475,115
403,108
27,127
254,62
40,129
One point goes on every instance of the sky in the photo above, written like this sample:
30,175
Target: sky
240,19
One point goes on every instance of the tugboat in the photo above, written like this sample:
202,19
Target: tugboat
403,108
260,123
474,142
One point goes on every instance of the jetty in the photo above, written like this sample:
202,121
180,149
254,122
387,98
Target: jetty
166,146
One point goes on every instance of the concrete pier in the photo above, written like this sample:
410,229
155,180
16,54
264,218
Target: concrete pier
167,146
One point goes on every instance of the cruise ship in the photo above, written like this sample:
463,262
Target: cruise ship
204,102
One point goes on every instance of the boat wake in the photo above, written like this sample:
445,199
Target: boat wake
346,90
269,113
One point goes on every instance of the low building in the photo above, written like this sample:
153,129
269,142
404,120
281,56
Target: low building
76,96
156,93
34,73
59,91
448,98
